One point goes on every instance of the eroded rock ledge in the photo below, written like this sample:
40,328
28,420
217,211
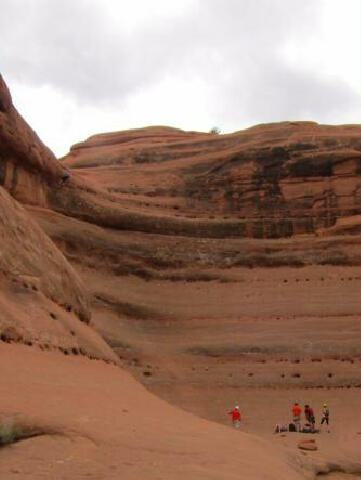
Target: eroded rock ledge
27,166
269,181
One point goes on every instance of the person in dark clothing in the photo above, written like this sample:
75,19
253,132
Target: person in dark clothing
310,416
296,413
325,415
64,178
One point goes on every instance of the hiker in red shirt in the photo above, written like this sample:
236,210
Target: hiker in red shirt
296,413
236,416
310,416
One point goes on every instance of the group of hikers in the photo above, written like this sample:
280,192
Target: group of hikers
295,425
309,425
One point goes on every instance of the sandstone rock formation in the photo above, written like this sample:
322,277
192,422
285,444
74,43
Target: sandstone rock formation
42,300
269,181
27,167
29,256
235,275
218,268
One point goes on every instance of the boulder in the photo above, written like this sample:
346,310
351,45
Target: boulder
308,444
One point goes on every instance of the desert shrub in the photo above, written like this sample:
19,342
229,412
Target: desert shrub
10,433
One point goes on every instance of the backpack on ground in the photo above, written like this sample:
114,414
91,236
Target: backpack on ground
291,427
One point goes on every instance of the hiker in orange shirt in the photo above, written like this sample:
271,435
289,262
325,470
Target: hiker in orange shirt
296,413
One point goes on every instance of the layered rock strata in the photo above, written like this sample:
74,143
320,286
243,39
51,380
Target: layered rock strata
269,181
27,166
203,310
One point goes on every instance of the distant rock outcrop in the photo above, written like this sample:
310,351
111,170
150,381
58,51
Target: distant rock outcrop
269,181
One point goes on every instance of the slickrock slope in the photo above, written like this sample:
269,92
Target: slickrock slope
42,300
28,254
94,421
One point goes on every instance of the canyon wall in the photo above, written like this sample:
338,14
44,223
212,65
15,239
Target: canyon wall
214,268
27,167
269,181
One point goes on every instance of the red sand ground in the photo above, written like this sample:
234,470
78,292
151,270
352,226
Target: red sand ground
105,425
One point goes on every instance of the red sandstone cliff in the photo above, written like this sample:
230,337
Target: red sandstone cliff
268,181
43,301
27,166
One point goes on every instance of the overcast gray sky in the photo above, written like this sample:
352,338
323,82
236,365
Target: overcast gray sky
79,67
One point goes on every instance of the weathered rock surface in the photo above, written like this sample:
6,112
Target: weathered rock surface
100,423
27,253
201,310
234,267
269,181
307,445
42,300
27,167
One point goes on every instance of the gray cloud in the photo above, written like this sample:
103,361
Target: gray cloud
235,46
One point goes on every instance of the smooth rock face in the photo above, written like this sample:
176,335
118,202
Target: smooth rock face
42,300
27,253
275,180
